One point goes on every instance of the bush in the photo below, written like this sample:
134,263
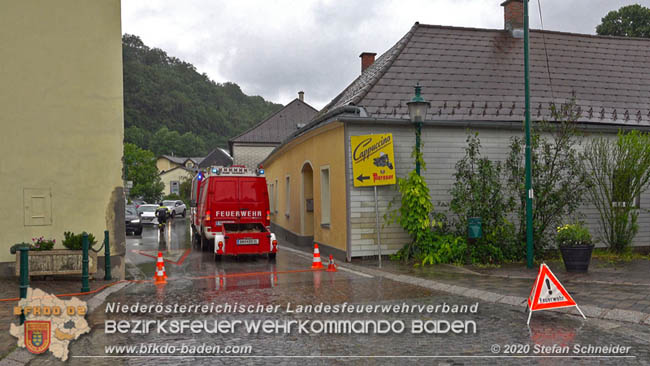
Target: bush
479,192
619,172
442,248
414,213
42,244
75,241
486,253
571,235
559,180
172,197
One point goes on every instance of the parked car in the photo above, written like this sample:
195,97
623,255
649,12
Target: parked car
175,207
133,223
138,202
147,214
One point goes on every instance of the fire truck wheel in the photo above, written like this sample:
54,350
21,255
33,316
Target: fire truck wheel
272,256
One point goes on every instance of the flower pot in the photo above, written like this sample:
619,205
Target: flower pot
57,262
576,258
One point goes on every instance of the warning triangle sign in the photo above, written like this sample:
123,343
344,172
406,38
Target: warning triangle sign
548,292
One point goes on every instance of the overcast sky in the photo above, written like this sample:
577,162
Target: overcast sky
274,48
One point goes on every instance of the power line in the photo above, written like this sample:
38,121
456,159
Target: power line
548,67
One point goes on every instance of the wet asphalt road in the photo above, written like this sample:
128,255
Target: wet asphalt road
195,278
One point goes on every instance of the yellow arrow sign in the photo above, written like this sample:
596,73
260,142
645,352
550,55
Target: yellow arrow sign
373,160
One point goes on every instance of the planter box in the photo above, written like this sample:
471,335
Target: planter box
57,262
576,259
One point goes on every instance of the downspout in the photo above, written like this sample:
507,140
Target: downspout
361,112
348,236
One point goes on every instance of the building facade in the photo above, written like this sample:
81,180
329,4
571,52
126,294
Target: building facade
255,144
62,124
474,81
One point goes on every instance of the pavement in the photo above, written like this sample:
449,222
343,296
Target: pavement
9,289
616,291
196,279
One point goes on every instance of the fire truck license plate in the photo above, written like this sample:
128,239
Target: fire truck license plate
247,241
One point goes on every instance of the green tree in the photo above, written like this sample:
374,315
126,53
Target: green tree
559,180
628,21
185,190
619,172
197,113
140,168
137,136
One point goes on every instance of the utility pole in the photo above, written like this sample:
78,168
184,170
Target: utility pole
529,168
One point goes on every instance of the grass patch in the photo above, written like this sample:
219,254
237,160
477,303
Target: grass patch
612,257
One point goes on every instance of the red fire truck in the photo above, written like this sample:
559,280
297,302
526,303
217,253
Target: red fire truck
232,214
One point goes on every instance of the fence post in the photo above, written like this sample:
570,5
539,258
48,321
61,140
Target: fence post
85,287
107,257
24,276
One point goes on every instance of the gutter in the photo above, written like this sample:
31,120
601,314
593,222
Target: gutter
592,127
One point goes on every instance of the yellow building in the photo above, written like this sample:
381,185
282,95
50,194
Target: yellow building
168,162
472,79
306,179
61,123
173,178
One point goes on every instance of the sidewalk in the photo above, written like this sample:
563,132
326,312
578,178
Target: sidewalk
608,291
9,288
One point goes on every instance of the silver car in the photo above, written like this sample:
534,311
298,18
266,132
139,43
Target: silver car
148,214
175,207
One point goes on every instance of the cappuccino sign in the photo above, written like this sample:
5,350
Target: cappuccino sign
373,160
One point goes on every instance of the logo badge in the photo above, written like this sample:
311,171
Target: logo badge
37,335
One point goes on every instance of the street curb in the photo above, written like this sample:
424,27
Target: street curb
21,356
622,315
590,311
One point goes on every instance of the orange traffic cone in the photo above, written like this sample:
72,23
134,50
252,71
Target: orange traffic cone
332,266
316,263
160,276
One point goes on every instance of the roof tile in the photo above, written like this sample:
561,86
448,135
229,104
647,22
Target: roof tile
486,66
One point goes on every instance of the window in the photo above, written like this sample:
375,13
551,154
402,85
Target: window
287,196
325,195
271,197
275,197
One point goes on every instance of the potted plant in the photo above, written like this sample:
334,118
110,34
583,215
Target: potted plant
42,244
575,245
44,260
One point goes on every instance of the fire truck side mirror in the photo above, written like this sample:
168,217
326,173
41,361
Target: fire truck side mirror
192,203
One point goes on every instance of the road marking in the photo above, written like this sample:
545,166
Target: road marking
339,267
178,262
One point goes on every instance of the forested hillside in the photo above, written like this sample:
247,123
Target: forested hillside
170,108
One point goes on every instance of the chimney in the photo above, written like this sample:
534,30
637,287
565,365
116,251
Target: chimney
513,14
367,59
301,96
